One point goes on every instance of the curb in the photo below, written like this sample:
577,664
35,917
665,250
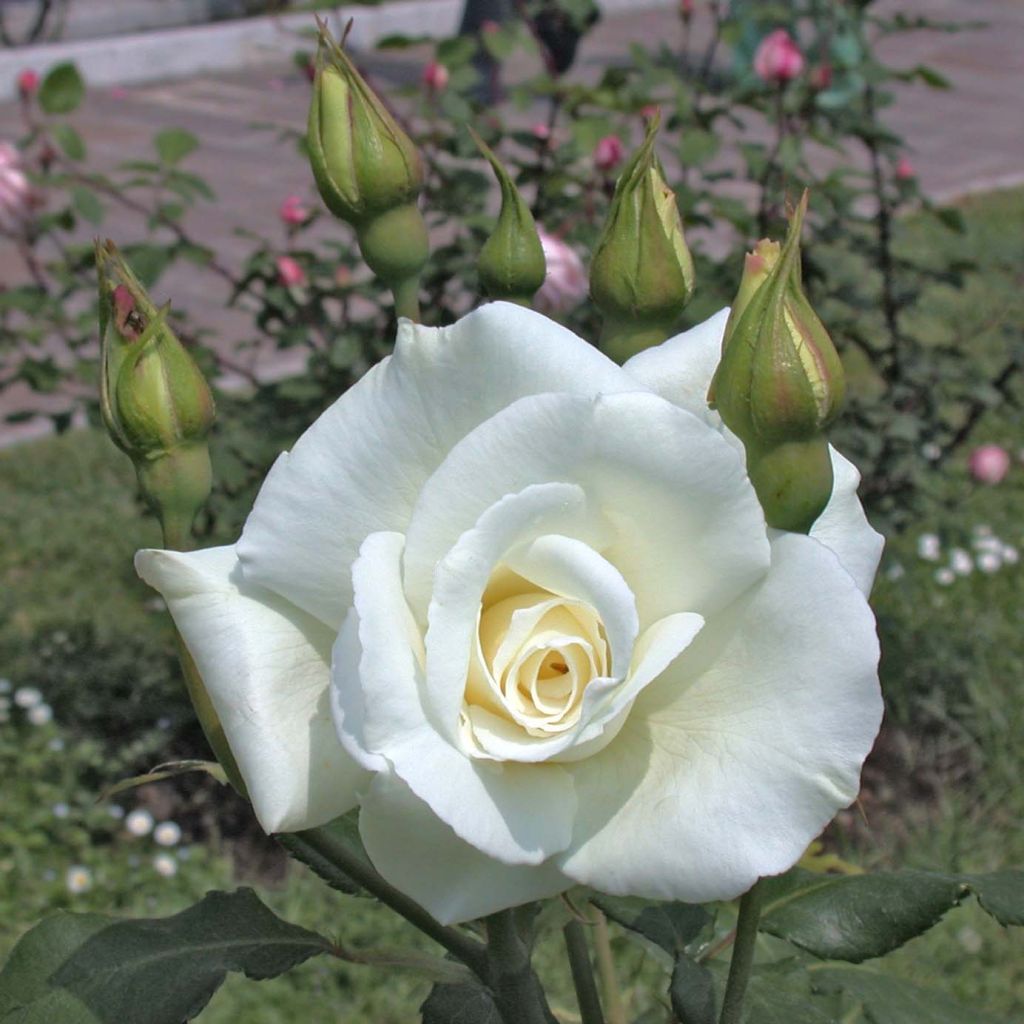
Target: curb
231,46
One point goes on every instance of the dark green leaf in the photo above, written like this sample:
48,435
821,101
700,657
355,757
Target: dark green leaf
672,926
692,992
952,218
71,143
856,917
343,830
174,144
889,1000
62,89
147,261
87,204
1001,893
460,1004
93,969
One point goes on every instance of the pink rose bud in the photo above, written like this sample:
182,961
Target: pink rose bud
293,210
289,273
686,9
565,281
989,464
435,76
904,169
778,59
28,82
821,76
608,153
649,110
16,199
540,131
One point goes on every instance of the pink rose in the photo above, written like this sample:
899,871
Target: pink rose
15,191
565,282
28,82
608,153
904,169
289,272
435,76
293,210
989,464
778,59
540,131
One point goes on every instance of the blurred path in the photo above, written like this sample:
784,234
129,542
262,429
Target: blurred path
968,139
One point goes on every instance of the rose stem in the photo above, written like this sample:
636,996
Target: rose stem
582,973
407,298
742,955
468,950
606,969
517,991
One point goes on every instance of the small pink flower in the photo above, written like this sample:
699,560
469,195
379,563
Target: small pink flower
904,169
540,131
293,210
608,153
649,110
289,273
16,199
118,92
565,281
686,9
778,59
435,76
28,82
989,464
821,76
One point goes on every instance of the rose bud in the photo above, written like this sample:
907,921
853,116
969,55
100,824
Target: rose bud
778,59
367,169
780,384
290,272
989,464
565,283
154,400
511,264
28,83
435,77
686,9
293,211
642,274
608,153
904,169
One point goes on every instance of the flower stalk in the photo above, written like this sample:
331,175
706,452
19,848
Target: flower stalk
742,955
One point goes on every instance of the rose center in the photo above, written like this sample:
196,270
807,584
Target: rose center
537,653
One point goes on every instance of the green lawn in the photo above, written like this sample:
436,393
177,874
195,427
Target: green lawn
945,792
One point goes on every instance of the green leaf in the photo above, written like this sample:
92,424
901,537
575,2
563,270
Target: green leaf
780,993
71,143
697,146
692,992
87,204
1001,894
165,771
460,1004
889,1000
672,926
174,144
62,89
93,969
856,917
147,261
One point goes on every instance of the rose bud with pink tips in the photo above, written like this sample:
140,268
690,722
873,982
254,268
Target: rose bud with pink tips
778,59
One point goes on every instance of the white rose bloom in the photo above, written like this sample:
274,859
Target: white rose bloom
534,595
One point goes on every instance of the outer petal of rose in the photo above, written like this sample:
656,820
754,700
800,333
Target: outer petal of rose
688,533
360,466
520,814
681,369
266,666
739,755
420,855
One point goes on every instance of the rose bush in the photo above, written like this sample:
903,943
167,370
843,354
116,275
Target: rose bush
520,605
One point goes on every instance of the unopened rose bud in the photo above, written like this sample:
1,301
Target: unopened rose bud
435,77
778,59
290,272
608,153
367,169
28,83
154,400
904,169
293,211
642,273
511,264
565,282
686,9
780,384
989,464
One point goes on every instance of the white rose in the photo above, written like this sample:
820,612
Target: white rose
534,595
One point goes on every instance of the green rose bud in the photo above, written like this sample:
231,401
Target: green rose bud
642,272
155,402
511,264
780,384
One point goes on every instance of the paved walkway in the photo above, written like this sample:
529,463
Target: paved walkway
968,139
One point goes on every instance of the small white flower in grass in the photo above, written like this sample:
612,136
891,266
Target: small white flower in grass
165,865
139,822
970,940
27,697
960,562
1010,555
78,879
989,562
944,576
167,833
929,547
982,530
895,571
61,810
41,714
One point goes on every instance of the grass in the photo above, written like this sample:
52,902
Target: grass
944,792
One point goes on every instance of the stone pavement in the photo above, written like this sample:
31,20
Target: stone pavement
968,139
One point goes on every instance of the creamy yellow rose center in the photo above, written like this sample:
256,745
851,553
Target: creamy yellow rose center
537,652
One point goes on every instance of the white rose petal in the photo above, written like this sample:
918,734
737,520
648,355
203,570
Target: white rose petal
521,606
